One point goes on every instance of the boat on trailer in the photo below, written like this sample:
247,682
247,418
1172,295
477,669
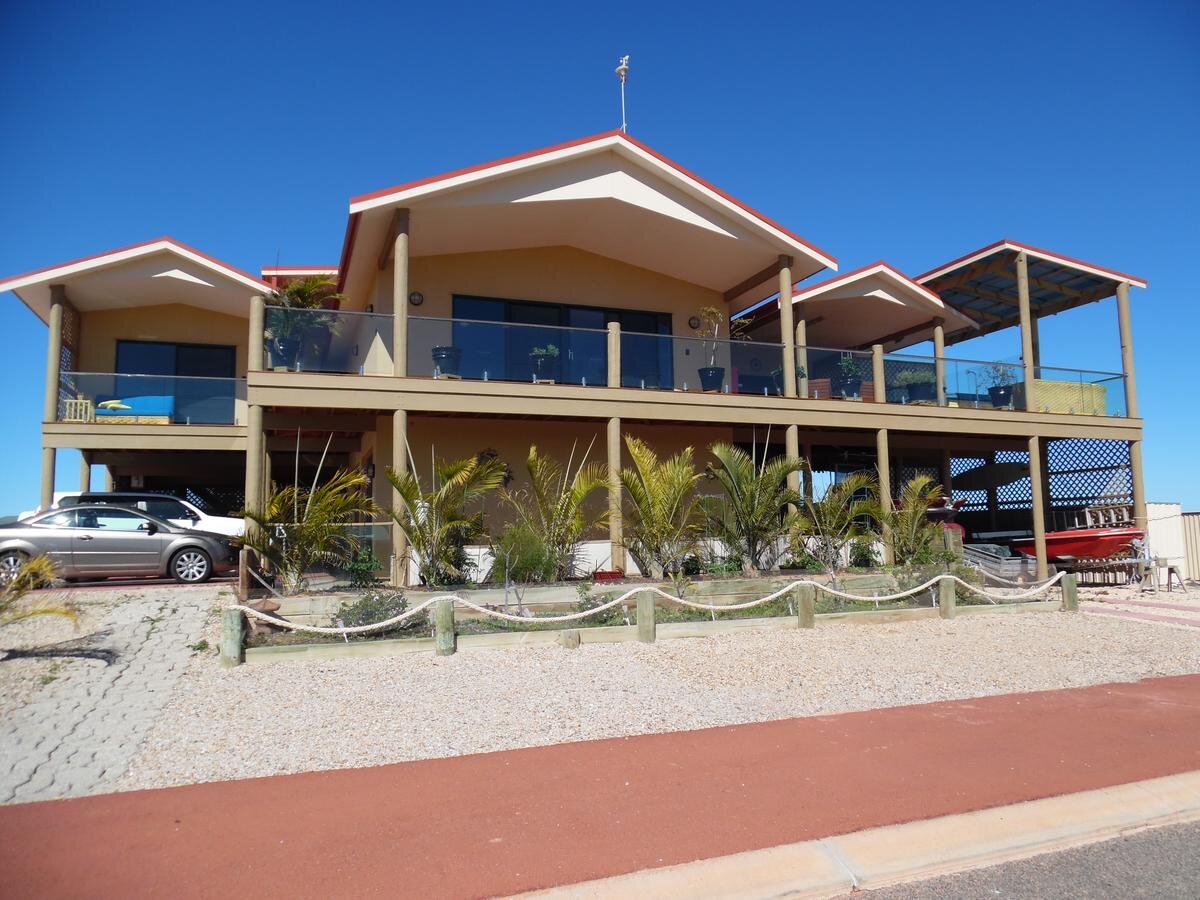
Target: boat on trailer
1084,543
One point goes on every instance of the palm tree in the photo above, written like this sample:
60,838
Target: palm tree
436,521
554,506
32,574
301,528
845,512
752,520
292,336
914,537
663,522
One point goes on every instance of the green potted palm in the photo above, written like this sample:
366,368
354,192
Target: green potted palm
848,378
295,339
712,376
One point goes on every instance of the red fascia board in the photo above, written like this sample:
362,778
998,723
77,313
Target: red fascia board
347,249
159,240
849,276
587,140
947,268
276,270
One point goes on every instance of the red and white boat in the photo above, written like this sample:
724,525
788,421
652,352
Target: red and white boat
1084,543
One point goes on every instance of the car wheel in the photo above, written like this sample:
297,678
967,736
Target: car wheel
10,564
191,566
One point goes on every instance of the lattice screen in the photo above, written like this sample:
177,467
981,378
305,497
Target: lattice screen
68,355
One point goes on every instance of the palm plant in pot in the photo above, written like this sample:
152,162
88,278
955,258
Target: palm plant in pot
1000,379
917,385
292,338
848,378
712,376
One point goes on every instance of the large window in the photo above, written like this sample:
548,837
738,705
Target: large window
196,386
508,353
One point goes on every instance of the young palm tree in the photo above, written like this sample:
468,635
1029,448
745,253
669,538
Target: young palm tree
437,522
32,574
914,537
554,506
845,512
663,522
300,528
292,336
752,520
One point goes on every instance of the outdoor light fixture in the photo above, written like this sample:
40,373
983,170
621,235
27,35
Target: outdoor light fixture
694,322
416,298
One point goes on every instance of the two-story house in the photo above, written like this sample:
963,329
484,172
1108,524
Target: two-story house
560,297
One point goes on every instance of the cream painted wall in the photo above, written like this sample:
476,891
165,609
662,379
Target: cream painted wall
101,329
549,274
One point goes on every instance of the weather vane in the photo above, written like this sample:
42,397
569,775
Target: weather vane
622,71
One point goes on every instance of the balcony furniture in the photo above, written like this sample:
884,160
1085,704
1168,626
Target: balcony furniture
147,409
79,409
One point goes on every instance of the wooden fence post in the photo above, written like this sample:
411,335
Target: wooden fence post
646,623
443,627
232,625
806,606
946,597
1070,592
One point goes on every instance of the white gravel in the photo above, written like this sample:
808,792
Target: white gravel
298,716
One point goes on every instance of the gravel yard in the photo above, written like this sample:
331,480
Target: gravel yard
297,716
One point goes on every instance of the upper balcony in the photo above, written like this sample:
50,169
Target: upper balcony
452,350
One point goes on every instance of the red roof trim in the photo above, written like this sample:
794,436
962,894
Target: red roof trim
947,268
587,140
347,249
159,240
853,273
275,270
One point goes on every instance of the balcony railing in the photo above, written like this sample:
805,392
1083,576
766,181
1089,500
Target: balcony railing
326,340
679,363
828,374
121,399
1079,392
506,351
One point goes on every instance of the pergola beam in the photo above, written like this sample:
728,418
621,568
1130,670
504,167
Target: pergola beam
898,335
758,278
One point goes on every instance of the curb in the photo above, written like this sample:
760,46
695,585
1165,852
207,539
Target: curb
890,854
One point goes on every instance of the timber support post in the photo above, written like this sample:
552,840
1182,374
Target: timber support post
1070,592
946,602
647,627
444,639
806,616
232,634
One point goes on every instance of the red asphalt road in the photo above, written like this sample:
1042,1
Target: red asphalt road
511,821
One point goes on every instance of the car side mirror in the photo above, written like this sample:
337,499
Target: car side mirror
148,527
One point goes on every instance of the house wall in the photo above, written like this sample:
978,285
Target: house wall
101,329
549,274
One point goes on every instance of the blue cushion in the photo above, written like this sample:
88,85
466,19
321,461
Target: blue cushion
145,405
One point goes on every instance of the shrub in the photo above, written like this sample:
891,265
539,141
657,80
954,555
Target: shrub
520,556
862,554
363,570
376,606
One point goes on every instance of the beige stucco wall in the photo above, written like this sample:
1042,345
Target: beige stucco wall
550,274
101,329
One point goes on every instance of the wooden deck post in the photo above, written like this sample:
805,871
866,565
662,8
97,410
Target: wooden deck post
399,292
255,357
805,606
616,523
791,449
1027,358
444,639
399,462
884,465
1070,592
614,354
787,328
1038,503
646,625
946,601
232,631
801,353
85,472
1125,325
939,360
878,373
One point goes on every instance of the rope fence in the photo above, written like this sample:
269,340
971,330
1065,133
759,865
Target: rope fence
816,586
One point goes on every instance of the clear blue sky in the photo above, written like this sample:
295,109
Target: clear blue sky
911,132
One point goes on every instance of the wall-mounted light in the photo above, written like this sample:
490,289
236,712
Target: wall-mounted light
416,298
694,322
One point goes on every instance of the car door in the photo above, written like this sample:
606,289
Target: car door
108,540
170,509
52,535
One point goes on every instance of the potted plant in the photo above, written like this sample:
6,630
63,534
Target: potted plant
848,378
293,339
712,376
538,357
1000,379
446,360
917,385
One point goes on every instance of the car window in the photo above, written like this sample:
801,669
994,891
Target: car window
114,519
63,519
165,508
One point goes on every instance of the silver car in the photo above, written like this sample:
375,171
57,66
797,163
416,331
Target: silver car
94,541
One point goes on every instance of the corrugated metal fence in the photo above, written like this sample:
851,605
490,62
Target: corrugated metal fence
1191,542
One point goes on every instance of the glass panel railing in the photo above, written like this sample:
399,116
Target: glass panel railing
1078,392
826,374
910,379
506,351
327,340
120,399
984,385
681,363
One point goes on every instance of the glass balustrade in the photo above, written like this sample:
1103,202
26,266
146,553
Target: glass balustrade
505,351
1079,392
680,363
827,374
122,399
327,340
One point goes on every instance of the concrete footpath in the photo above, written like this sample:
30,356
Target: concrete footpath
522,820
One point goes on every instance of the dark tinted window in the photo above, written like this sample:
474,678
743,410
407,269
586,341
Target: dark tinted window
165,508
